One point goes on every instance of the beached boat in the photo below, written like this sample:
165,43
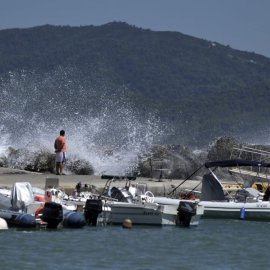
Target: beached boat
140,206
245,203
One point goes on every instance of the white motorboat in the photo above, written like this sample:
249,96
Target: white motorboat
141,207
247,203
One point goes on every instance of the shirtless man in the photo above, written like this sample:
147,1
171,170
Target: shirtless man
60,151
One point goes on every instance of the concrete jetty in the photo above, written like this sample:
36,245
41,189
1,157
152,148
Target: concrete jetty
68,182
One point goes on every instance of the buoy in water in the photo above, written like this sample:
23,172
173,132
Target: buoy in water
3,224
127,224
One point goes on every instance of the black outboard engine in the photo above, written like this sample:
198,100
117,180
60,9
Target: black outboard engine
266,196
52,214
93,207
185,212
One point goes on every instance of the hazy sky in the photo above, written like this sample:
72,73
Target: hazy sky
241,24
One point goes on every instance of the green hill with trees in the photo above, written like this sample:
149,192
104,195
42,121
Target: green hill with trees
200,88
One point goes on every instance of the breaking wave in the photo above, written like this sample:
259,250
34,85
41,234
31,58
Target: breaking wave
102,125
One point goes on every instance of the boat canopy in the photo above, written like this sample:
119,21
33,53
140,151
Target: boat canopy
212,190
236,163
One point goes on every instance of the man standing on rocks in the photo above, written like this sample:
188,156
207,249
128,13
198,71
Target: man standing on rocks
60,147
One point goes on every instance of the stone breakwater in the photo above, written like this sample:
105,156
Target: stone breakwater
161,161
68,182
158,169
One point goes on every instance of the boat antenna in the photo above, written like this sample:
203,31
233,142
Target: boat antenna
185,180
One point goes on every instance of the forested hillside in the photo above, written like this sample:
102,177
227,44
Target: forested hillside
199,89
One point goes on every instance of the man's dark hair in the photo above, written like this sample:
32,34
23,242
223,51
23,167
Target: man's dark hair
62,132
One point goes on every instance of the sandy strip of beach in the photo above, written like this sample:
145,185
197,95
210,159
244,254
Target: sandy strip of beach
10,176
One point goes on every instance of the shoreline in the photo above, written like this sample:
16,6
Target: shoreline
68,182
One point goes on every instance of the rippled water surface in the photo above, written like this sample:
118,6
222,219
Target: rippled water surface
214,244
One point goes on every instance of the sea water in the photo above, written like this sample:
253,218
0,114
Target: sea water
214,244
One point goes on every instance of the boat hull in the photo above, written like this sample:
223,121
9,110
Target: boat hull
73,219
17,219
178,213
148,214
257,211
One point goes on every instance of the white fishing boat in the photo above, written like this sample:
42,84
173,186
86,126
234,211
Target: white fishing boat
246,203
141,207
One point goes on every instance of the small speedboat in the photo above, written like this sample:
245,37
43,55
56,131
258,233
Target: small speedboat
141,207
246,202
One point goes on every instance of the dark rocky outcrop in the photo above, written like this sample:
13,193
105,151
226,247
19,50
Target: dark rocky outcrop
171,161
223,148
42,161
79,166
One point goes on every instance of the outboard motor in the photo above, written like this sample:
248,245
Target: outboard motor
52,214
266,196
73,219
185,212
93,207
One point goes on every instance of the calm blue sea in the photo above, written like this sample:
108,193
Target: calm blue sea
214,244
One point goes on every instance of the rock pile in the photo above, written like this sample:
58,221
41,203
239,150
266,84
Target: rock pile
162,161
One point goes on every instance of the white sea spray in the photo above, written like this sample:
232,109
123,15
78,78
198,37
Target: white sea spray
102,124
